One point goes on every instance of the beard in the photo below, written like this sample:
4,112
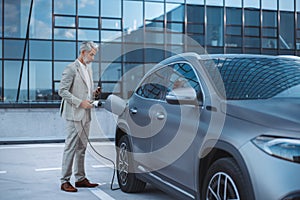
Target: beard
86,60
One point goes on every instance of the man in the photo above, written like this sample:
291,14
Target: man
77,94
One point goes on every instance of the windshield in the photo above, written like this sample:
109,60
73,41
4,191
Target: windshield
256,77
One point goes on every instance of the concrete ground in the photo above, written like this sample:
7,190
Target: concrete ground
32,171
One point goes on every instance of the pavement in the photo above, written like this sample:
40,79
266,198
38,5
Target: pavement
32,172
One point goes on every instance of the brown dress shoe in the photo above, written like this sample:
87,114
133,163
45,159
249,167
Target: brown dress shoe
85,183
68,187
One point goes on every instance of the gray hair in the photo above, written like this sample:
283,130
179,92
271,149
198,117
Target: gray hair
88,46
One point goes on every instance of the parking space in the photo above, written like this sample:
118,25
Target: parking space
32,172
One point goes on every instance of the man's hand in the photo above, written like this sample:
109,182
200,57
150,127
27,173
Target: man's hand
86,104
97,92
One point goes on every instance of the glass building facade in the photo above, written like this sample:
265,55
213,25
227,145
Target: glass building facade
40,37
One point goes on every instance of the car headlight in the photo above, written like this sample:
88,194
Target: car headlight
285,148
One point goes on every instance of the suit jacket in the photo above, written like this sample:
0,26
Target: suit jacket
73,90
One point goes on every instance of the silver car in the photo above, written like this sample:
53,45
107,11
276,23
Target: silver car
214,127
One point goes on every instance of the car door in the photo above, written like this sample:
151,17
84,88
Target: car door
172,146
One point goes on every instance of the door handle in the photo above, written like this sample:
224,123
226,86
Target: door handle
133,110
160,116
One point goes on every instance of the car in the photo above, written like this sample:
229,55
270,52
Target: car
222,126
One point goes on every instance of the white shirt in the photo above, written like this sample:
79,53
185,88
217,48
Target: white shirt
87,79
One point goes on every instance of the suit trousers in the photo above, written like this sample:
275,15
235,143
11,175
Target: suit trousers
75,148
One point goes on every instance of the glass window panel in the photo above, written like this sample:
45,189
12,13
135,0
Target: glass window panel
286,36
233,30
40,81
65,21
297,5
214,2
286,5
15,18
154,11
90,8
111,88
88,35
64,34
298,44
298,20
199,2
111,71
195,14
1,98
0,49
269,32
173,38
195,28
252,18
252,31
175,12
14,49
252,42
64,51
40,49
154,54
233,3
111,36
11,81
154,24
111,24
175,27
251,3
269,43
1,8
111,8
133,15
215,22
233,16
269,4
65,7
96,72
88,22
58,69
133,53
41,22
154,37
111,52
194,39
233,41
175,1
270,19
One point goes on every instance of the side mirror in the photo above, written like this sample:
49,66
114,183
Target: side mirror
182,96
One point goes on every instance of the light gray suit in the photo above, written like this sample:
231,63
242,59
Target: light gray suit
73,90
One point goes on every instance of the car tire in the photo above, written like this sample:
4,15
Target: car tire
126,178
225,172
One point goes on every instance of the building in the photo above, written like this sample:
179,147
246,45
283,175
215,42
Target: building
40,37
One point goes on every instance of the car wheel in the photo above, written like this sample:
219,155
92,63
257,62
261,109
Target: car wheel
126,179
224,180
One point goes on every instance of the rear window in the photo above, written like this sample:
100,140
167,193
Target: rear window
255,77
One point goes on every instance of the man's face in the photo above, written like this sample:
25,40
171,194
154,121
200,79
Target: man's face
89,56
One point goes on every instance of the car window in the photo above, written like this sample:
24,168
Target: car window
255,77
154,86
184,76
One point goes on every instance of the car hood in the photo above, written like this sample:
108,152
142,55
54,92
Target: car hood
281,114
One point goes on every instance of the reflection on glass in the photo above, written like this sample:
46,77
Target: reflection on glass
113,24
233,3
111,36
269,43
16,18
64,51
90,7
214,2
40,49
40,82
214,26
88,35
111,8
251,3
58,69
88,22
133,15
154,11
41,22
252,17
1,98
175,12
11,81
1,23
65,21
252,42
286,5
14,49
65,7
269,4
64,34
199,2
111,52
175,27
286,36
110,71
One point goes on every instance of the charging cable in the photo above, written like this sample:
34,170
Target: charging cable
99,154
